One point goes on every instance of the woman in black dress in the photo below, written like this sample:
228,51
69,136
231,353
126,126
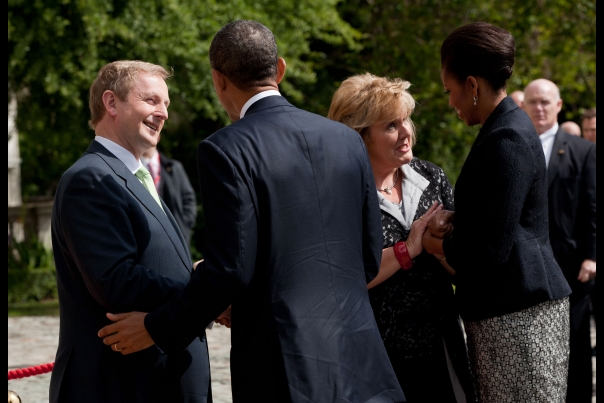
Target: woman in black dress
412,296
511,293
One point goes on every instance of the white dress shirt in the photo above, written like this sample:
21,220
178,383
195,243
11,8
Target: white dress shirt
547,141
255,98
121,153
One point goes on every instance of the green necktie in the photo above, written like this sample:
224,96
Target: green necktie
145,177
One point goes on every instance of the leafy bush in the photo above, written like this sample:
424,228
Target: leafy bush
31,272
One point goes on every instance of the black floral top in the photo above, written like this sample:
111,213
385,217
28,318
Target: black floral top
415,308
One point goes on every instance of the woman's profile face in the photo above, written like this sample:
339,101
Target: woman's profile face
389,142
460,98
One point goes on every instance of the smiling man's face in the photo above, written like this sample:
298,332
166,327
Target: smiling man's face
141,117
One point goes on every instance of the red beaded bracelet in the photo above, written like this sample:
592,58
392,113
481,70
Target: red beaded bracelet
402,255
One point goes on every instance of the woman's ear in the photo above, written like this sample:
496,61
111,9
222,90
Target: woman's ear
473,83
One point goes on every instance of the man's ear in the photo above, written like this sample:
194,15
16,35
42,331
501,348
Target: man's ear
560,102
281,65
110,102
219,80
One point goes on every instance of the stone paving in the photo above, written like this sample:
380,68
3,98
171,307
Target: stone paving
32,340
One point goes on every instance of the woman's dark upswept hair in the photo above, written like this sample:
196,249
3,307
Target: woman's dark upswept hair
479,49
245,52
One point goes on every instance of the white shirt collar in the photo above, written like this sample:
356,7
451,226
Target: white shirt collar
547,141
551,131
151,162
413,187
255,98
121,153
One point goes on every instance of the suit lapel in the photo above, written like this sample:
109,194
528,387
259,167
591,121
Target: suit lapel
558,153
136,188
174,223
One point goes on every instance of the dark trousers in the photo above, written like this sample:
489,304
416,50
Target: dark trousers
425,379
580,374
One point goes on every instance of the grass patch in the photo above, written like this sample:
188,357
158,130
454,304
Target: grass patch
34,308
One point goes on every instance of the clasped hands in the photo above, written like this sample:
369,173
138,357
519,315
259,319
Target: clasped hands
439,228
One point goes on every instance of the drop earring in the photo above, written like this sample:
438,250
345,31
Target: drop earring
475,99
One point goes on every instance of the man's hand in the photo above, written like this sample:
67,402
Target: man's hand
441,225
225,318
128,334
196,263
588,271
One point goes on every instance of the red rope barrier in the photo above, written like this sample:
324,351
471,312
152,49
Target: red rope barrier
30,371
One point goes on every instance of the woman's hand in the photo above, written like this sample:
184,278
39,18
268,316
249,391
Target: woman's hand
414,241
432,244
443,261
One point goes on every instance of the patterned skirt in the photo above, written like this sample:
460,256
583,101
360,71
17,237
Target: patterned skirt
522,356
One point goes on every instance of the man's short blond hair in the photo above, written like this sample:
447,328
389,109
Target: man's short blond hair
119,77
365,99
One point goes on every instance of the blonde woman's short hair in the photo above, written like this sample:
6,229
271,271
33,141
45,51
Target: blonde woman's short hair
119,77
365,99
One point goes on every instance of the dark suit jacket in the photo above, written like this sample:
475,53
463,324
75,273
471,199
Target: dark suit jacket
500,246
572,206
176,191
293,235
116,251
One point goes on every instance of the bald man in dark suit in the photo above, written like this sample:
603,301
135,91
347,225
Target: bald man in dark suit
571,162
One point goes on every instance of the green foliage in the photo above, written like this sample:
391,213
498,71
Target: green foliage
28,254
26,285
56,47
31,272
49,307
554,40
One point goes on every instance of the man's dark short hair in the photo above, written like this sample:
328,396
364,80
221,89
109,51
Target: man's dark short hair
588,114
246,53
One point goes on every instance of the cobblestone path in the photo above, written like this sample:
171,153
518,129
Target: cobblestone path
32,340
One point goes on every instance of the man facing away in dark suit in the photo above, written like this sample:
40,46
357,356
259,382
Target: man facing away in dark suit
117,247
293,236
571,162
174,188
